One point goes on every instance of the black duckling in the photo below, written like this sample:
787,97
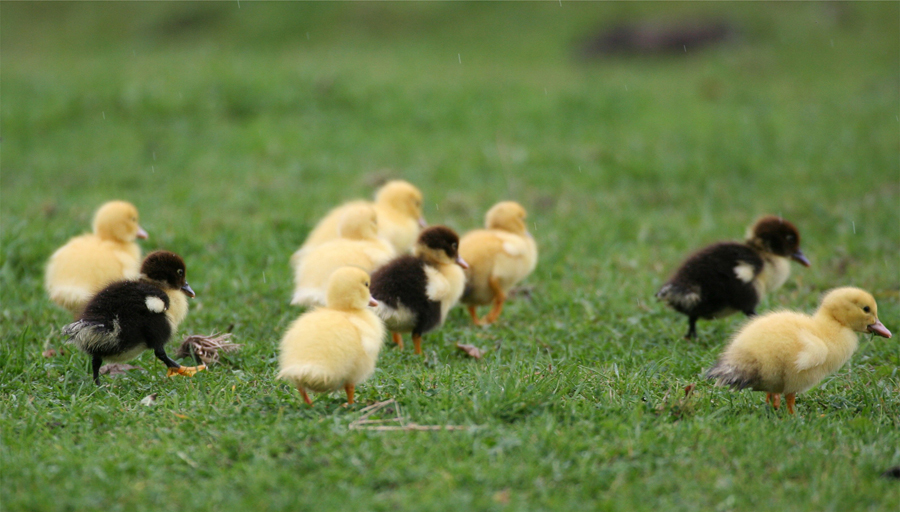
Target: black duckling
129,317
416,291
729,277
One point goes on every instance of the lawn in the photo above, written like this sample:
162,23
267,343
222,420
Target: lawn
234,126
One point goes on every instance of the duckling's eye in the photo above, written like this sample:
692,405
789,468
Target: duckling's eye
867,309
367,284
455,246
180,272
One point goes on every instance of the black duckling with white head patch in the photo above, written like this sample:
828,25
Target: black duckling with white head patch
729,277
416,291
128,317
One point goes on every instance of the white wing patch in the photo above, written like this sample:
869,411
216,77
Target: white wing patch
744,271
438,287
813,353
155,304
512,249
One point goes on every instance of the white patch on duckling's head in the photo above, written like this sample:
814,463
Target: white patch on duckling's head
359,222
508,216
155,304
348,288
118,220
401,196
854,308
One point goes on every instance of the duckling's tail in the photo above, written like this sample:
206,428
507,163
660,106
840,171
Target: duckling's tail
309,297
726,374
679,297
310,376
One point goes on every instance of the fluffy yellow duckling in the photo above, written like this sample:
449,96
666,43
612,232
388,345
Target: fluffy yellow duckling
87,263
787,352
499,256
359,246
336,346
398,205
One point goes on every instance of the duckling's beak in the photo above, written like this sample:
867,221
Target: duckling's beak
461,262
422,223
373,302
188,291
800,258
141,233
879,329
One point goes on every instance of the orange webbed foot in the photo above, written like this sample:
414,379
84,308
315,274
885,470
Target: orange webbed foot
186,371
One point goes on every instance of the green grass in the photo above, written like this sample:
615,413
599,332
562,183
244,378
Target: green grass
233,127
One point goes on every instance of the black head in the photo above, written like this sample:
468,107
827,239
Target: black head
439,243
166,268
778,236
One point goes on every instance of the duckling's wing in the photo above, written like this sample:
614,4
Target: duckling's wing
438,287
813,352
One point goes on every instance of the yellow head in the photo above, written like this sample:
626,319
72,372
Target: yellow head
118,220
348,289
508,216
359,222
403,197
854,308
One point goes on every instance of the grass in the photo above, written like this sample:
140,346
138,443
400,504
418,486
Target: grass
233,127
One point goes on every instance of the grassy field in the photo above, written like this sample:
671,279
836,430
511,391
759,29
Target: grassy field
234,126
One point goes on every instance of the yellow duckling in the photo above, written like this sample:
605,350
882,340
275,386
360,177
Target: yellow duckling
359,246
336,346
499,257
787,352
398,205
87,263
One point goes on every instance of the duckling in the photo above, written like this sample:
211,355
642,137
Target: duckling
87,263
358,246
335,346
787,352
398,205
499,256
728,277
416,291
129,317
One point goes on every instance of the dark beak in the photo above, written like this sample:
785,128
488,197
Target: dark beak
373,302
800,258
141,233
879,329
188,291
461,262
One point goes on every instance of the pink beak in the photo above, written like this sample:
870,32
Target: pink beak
422,223
879,329
461,262
800,258
141,233
373,302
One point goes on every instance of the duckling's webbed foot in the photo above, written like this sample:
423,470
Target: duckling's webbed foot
499,299
775,400
790,398
398,339
187,371
474,315
349,389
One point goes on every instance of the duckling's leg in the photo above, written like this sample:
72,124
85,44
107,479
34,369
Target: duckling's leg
96,363
175,368
499,299
398,339
473,314
790,397
775,399
692,328
304,395
349,388
417,343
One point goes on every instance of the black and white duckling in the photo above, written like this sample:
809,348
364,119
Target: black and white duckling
730,277
87,263
499,256
128,317
416,291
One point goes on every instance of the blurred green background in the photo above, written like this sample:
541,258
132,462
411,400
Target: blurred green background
234,126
